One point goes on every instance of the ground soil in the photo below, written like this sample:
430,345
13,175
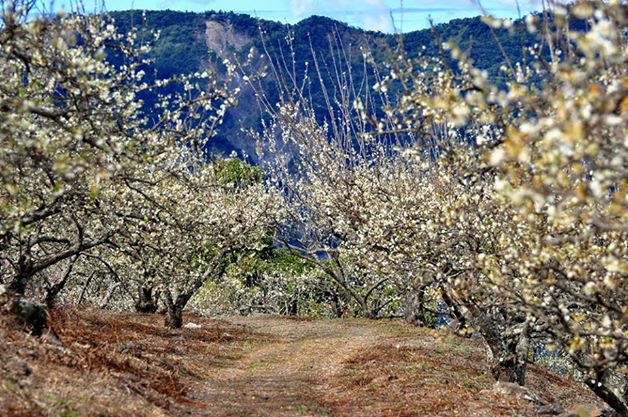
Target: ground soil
97,363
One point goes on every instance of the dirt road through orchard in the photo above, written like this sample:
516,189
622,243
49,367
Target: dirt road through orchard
122,364
358,368
288,375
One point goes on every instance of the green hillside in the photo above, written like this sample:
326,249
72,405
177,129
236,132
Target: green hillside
190,42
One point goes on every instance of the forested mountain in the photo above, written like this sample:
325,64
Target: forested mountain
190,42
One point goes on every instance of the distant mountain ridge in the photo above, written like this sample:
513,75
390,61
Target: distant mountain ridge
191,42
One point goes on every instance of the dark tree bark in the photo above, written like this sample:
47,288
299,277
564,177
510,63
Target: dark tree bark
293,307
336,303
507,365
600,389
337,274
174,309
19,283
174,317
54,290
33,315
147,301
27,268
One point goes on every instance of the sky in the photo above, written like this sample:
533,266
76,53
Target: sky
383,15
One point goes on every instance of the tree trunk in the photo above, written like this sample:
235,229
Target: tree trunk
32,314
458,315
174,309
26,312
146,302
413,311
27,269
338,276
605,393
337,304
506,365
365,311
18,284
54,290
174,316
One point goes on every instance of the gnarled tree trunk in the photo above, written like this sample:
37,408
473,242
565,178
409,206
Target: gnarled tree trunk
29,313
53,291
146,301
415,311
508,360
600,389
174,309
337,302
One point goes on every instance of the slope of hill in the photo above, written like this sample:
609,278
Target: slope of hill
190,42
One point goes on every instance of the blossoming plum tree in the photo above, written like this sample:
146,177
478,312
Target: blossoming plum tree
509,198
546,172
87,170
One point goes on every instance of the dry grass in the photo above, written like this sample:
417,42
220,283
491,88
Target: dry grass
393,380
102,363
440,375
97,363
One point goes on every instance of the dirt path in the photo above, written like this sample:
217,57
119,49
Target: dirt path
285,376
357,368
121,364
